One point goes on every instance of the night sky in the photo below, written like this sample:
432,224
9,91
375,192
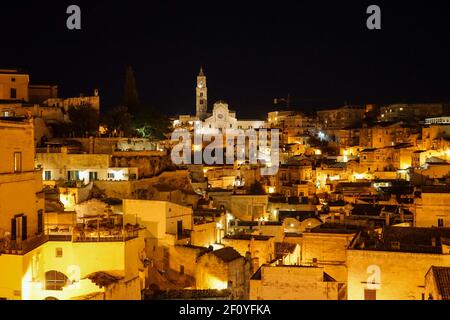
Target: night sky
252,51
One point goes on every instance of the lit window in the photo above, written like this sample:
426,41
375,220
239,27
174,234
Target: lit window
17,161
58,252
55,280
48,175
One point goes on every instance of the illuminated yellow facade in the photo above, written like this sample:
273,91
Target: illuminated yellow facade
21,197
13,85
30,276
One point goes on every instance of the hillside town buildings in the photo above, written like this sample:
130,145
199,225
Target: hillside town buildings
357,210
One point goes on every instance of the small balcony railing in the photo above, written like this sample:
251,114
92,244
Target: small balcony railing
21,247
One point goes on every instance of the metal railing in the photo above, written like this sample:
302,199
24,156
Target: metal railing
23,246
18,247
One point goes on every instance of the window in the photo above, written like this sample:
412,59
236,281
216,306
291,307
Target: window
55,280
201,94
13,93
40,222
73,175
370,294
110,175
47,175
17,161
19,227
181,269
179,229
440,222
13,79
201,101
93,175
58,252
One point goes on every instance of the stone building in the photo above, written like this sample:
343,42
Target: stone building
392,265
386,134
224,269
13,85
219,120
38,263
437,283
295,283
340,118
432,208
260,248
21,195
166,224
82,167
403,111
392,158
326,246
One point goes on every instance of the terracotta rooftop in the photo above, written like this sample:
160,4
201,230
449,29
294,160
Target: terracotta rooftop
442,278
436,189
371,210
227,254
284,248
336,228
406,239
104,278
163,187
248,237
299,215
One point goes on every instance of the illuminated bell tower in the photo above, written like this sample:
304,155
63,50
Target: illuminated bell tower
201,96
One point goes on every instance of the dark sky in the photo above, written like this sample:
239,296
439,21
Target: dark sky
252,51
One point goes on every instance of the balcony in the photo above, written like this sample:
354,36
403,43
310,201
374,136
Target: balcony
53,234
22,247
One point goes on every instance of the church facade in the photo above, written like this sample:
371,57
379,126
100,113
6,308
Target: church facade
221,117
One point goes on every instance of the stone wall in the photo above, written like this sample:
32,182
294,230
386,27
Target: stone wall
402,274
293,283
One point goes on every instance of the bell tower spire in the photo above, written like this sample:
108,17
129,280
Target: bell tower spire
201,95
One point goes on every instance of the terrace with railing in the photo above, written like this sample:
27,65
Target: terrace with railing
70,234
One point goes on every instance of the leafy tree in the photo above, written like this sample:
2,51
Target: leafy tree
256,188
147,122
151,124
84,120
118,120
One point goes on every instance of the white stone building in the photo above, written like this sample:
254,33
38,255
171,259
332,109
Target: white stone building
219,119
